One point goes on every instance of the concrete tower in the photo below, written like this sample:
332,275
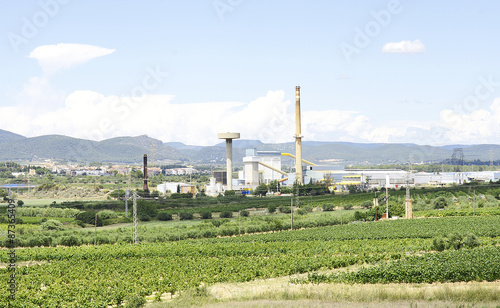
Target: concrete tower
229,153
298,139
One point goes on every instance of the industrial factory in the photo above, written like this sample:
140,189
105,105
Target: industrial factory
266,166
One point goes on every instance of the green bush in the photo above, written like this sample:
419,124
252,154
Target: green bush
366,204
438,244
285,209
144,217
164,216
328,207
271,209
440,202
107,214
348,207
226,214
135,301
302,211
146,207
245,213
186,216
52,224
70,240
80,223
89,218
206,215
471,241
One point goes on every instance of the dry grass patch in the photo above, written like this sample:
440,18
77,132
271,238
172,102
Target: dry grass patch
279,292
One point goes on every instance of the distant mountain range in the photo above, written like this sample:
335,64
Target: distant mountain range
14,147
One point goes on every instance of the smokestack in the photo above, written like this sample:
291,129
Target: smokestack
298,139
145,188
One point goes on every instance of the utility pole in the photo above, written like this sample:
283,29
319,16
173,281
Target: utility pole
291,215
408,204
136,231
95,230
474,206
387,196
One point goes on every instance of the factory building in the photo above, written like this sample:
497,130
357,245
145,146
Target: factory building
171,187
261,167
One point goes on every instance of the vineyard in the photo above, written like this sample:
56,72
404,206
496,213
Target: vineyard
392,251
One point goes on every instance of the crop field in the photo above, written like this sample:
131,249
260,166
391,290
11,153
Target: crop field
401,251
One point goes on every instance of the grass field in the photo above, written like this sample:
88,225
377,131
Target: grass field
269,270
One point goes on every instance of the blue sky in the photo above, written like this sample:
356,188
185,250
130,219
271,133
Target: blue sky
425,72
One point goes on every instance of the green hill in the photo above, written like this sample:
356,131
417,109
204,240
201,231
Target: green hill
131,149
6,136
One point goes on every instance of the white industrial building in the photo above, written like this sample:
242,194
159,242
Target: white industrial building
265,166
171,187
214,188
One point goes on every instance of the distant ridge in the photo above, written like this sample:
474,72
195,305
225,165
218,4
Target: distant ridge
6,136
14,147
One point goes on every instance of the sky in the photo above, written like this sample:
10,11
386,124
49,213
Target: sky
424,72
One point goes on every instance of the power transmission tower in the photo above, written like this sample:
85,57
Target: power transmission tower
457,158
136,231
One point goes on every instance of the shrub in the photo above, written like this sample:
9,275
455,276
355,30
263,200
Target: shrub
302,211
271,209
217,222
229,193
80,223
20,202
285,209
440,202
245,213
366,204
52,224
145,207
71,240
455,241
328,207
226,214
89,218
206,215
471,241
107,214
308,208
135,301
438,244
164,216
144,217
348,207
186,216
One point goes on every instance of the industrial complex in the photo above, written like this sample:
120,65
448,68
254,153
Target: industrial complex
266,166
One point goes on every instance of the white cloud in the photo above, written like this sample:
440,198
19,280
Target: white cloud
404,47
480,126
270,118
54,58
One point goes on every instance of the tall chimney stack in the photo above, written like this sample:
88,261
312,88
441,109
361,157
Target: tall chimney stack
298,139
145,188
